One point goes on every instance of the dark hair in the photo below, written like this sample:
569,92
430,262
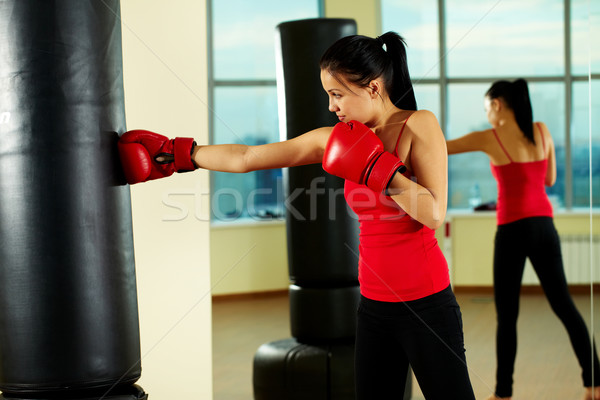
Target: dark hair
516,96
361,59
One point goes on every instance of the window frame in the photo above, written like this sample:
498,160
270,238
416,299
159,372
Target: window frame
568,79
214,84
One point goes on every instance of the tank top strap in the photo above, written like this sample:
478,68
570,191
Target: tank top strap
400,135
501,145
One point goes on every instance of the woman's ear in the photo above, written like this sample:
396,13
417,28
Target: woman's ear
497,104
375,88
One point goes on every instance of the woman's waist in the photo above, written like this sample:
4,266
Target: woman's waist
379,227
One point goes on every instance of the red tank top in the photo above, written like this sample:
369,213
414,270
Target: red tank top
521,188
399,258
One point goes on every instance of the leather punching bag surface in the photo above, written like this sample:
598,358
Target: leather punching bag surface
322,233
68,304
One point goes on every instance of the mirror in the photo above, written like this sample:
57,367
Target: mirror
594,140
456,50
489,40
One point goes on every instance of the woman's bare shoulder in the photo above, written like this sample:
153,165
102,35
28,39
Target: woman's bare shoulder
423,123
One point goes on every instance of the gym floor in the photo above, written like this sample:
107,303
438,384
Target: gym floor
546,367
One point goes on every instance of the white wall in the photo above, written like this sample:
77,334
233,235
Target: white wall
249,258
165,73
472,243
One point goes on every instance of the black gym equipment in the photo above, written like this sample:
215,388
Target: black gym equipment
322,232
68,304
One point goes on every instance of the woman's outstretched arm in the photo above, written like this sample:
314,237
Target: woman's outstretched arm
474,141
147,155
304,149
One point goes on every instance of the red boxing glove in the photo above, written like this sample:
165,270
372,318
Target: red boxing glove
355,153
147,155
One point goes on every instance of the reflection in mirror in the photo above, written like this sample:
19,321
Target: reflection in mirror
456,49
590,29
585,27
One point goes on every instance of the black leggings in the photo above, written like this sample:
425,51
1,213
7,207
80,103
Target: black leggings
425,333
537,239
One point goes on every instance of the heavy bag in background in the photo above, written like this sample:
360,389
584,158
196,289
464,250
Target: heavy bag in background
322,232
289,370
318,362
68,304
323,315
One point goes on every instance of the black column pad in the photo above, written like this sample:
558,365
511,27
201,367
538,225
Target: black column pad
323,315
132,392
287,369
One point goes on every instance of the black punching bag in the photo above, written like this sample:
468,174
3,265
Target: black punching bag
318,362
322,232
68,305
319,224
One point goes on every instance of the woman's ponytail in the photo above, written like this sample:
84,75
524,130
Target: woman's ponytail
522,108
361,59
400,86
516,96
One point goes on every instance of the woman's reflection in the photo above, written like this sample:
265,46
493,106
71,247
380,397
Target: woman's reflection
523,162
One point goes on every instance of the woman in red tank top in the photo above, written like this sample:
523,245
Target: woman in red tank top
523,163
408,314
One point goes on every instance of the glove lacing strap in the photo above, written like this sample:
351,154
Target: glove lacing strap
182,153
383,169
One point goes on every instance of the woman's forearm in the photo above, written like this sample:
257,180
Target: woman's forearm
422,204
221,157
304,149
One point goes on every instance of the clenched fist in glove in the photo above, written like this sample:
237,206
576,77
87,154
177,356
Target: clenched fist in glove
355,153
147,155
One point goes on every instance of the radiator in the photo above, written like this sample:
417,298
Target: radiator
581,259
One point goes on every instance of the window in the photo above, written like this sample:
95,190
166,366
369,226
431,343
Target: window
418,23
504,38
243,99
458,48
